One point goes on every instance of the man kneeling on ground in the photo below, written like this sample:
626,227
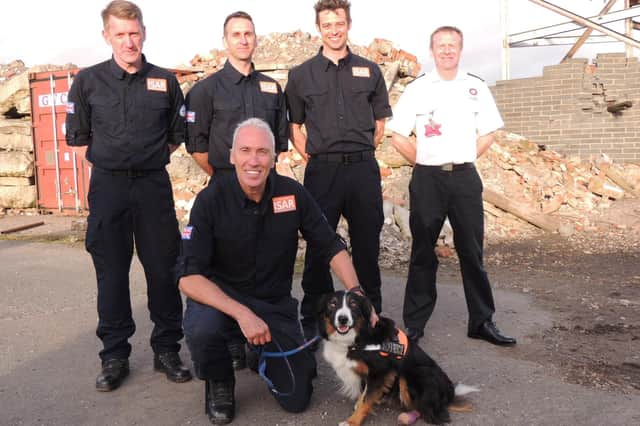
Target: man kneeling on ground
236,270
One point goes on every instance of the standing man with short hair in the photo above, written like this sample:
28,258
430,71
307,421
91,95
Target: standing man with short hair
219,102
342,100
239,251
126,111
454,117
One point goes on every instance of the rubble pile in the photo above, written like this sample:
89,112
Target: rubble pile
527,188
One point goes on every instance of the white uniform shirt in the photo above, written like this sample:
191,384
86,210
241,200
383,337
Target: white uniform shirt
447,115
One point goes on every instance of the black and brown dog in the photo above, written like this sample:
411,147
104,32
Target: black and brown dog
375,361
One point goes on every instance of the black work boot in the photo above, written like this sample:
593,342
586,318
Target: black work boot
113,373
170,364
238,355
219,402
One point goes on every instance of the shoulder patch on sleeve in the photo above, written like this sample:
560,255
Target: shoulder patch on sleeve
473,75
186,232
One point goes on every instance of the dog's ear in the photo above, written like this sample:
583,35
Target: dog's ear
321,307
367,307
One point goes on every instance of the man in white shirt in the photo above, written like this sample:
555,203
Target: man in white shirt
454,116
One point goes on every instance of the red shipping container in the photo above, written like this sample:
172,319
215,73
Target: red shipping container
62,174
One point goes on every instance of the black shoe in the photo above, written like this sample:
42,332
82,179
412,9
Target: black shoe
489,332
238,355
113,373
414,334
219,402
171,365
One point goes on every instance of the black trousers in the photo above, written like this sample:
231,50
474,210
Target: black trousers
209,331
436,194
353,191
125,211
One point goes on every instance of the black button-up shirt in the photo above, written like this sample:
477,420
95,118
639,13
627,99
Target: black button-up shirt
219,102
127,120
338,104
252,246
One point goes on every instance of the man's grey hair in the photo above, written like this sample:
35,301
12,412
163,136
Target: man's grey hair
258,123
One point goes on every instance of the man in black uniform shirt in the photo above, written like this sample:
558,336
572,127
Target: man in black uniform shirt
239,251
237,92
218,103
126,112
342,100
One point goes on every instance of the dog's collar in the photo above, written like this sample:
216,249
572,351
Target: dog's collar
397,347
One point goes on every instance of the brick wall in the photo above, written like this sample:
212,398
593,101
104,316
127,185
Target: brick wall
566,108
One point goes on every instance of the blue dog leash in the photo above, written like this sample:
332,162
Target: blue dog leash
262,362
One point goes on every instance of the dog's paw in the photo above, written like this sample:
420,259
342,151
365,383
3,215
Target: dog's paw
344,423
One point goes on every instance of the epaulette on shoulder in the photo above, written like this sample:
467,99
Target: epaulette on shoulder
421,75
473,75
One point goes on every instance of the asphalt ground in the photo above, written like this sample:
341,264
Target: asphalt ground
48,358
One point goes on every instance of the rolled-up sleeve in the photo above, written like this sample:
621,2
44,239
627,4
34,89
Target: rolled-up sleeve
176,124
197,251
78,120
380,98
295,101
198,116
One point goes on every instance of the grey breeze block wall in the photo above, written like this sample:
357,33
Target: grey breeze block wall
566,108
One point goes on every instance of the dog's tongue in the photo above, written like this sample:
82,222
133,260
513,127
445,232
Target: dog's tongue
343,328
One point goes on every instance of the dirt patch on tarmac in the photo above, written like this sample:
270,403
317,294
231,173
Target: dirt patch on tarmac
592,282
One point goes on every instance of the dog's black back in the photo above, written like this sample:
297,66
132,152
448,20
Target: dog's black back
429,386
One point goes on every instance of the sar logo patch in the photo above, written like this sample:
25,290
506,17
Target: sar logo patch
183,111
268,87
360,72
286,203
157,84
71,108
187,232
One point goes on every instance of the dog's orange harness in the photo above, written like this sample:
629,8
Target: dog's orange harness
397,347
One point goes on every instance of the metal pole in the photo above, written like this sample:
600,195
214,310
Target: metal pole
628,27
56,151
587,23
587,33
504,25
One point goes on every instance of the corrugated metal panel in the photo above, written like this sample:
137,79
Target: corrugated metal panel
62,175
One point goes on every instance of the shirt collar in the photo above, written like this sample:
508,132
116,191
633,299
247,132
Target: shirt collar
241,198
434,77
233,74
326,62
120,74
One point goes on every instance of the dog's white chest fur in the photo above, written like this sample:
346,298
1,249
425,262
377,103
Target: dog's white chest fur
335,353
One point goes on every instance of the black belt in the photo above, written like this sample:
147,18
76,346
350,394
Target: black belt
130,173
344,157
451,167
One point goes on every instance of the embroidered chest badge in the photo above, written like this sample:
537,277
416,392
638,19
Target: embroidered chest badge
283,204
360,72
433,128
268,87
157,84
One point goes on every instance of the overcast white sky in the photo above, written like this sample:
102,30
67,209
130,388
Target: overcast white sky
62,31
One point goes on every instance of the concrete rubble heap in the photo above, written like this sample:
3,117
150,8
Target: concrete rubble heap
528,188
